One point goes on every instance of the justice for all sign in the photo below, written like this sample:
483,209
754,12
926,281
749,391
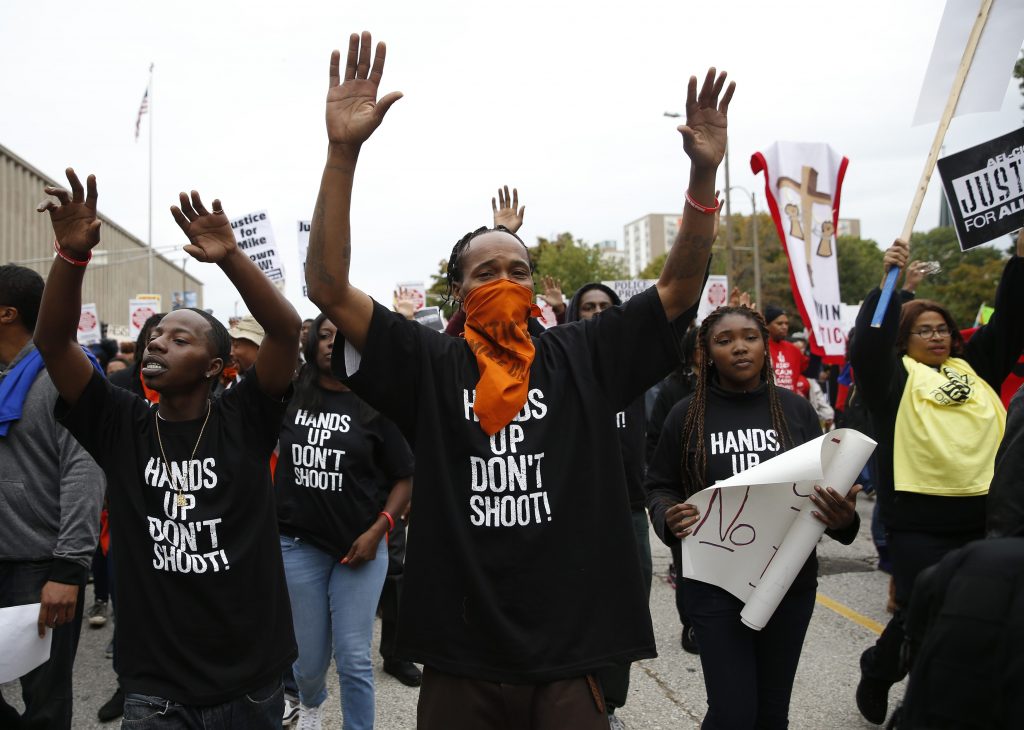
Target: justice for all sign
255,237
984,187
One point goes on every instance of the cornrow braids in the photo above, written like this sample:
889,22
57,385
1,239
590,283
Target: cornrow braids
696,468
454,272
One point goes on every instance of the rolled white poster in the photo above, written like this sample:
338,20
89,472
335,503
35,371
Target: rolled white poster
840,468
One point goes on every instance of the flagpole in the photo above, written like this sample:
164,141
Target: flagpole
149,289
933,154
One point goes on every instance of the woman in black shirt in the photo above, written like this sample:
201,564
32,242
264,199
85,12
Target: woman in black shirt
337,457
748,674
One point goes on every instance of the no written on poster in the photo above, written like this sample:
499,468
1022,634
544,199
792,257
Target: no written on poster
984,186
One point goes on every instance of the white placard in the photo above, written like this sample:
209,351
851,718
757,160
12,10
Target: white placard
991,68
303,244
89,326
547,314
139,310
756,529
21,649
417,291
255,237
626,288
715,295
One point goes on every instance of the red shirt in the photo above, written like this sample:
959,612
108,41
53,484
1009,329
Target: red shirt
787,362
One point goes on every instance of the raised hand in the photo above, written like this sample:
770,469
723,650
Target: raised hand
353,110
505,210
896,255
705,131
210,235
552,293
74,221
405,302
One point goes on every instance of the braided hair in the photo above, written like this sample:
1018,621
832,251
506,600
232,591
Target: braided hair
696,468
454,272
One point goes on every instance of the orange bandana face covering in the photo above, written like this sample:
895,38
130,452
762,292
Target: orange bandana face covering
496,316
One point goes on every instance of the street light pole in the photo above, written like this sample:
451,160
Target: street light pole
728,222
755,246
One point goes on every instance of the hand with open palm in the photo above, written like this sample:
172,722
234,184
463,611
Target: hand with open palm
706,130
210,236
353,110
75,225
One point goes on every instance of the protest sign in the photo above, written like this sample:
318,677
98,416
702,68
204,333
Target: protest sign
414,291
255,237
985,83
89,326
430,317
803,182
756,529
984,186
626,288
184,299
141,308
303,244
715,295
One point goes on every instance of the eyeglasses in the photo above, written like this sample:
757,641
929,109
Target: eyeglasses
929,333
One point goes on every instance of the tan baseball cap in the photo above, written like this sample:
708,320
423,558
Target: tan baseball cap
247,328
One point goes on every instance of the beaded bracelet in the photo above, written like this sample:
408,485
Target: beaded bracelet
73,262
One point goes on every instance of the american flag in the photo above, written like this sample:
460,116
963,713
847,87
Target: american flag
143,108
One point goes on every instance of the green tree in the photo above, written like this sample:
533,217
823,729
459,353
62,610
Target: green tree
573,262
437,290
860,267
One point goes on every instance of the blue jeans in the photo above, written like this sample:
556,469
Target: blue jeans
262,708
330,598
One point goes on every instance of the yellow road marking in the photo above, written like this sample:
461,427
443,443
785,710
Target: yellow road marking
849,613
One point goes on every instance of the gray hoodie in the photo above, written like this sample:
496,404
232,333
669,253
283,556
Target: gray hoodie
51,491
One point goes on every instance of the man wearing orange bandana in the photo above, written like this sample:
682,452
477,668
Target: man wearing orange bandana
522,516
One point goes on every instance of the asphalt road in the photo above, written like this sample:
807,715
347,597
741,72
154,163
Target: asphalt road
665,692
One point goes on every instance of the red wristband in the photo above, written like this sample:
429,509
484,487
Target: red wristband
73,262
702,208
389,518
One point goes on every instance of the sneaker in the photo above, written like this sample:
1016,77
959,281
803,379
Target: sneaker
405,672
109,651
689,640
615,722
112,708
97,614
310,718
291,709
873,699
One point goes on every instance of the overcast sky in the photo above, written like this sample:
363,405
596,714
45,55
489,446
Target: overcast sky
563,99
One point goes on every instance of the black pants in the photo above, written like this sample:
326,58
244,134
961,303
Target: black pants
392,592
100,575
615,680
46,690
909,553
748,674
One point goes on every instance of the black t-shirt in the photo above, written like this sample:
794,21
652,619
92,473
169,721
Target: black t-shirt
632,432
202,605
739,434
333,469
522,560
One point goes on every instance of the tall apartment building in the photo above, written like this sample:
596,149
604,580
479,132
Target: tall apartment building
647,238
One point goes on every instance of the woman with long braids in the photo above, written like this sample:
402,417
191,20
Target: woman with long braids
736,418
337,456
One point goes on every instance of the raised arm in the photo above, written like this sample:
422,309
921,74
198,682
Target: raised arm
353,113
76,232
212,241
704,140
